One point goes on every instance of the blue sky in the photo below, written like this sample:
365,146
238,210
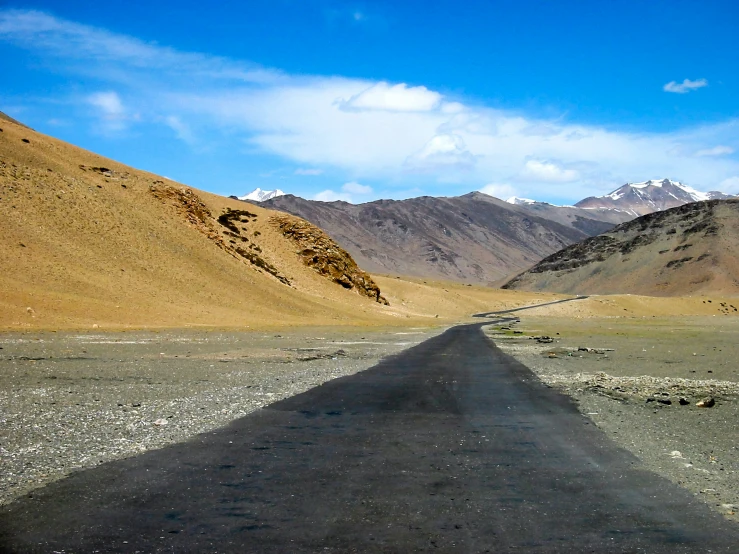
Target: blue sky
363,100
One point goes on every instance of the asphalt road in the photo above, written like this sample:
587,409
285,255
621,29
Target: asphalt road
450,446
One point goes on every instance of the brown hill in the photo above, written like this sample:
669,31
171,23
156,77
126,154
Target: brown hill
472,238
86,240
685,250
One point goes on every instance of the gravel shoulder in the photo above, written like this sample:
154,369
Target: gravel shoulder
70,401
641,381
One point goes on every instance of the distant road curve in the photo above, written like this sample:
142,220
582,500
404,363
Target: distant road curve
449,446
522,308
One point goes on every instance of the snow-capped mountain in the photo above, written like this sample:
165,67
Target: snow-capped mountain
259,195
649,196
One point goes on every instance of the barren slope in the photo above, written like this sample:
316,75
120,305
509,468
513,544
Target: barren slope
86,241
690,249
474,238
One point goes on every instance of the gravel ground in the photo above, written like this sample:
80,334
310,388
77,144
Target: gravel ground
69,401
641,382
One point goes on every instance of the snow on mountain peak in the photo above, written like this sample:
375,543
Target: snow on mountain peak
696,195
259,195
520,201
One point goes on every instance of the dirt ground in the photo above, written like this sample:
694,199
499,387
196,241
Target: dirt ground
641,381
69,401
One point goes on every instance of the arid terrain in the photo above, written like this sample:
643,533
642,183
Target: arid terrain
136,312
641,380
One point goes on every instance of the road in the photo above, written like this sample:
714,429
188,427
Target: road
450,446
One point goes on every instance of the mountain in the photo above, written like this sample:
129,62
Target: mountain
86,241
471,238
649,196
691,249
259,195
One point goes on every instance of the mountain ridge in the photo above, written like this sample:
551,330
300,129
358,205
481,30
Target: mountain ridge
649,196
689,249
470,238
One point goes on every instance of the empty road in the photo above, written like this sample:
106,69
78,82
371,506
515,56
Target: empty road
450,446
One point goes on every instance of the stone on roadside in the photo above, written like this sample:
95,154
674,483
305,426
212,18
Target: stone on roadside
160,422
707,402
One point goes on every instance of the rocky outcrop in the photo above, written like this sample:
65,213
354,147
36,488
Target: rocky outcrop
226,231
326,257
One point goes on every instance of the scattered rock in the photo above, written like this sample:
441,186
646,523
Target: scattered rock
683,401
707,402
160,422
544,339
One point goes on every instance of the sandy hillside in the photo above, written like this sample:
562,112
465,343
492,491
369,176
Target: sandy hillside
691,249
88,242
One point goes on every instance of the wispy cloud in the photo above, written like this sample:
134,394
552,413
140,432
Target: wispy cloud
730,185
499,190
715,151
547,172
686,86
308,171
109,107
353,187
109,103
403,135
395,98
332,196
182,131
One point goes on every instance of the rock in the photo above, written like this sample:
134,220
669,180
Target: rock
683,401
544,339
665,401
326,257
707,402
160,422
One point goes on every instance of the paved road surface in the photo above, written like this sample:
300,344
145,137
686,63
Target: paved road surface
450,446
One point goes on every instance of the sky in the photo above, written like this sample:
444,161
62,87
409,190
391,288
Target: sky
341,100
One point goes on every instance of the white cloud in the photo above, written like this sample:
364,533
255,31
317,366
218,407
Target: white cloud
442,151
686,86
401,135
308,171
715,151
182,131
499,190
331,196
356,188
394,98
547,172
109,103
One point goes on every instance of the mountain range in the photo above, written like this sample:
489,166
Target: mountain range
471,238
649,196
